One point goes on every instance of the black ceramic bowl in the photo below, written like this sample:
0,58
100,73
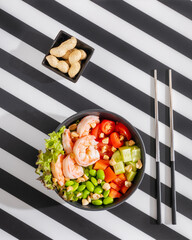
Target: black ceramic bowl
61,37
103,114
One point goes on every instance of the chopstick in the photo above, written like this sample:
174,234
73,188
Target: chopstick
158,182
173,193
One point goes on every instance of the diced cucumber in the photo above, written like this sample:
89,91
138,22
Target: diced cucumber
125,153
136,153
117,156
130,176
133,164
119,168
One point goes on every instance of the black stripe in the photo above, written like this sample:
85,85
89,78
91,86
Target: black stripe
46,205
111,43
52,208
13,145
144,222
148,24
17,228
148,186
27,113
36,79
183,7
104,79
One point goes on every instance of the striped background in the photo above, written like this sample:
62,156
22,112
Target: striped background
130,38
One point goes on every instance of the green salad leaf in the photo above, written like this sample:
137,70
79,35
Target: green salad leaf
54,147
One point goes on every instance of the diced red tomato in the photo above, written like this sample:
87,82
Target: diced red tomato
115,186
124,189
123,130
107,126
96,131
115,140
104,149
114,194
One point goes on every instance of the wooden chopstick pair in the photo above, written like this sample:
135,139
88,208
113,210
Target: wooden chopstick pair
158,181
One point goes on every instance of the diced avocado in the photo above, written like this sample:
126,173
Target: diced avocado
117,156
130,176
133,164
125,153
119,168
136,153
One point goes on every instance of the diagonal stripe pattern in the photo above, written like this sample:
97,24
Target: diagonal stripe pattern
22,198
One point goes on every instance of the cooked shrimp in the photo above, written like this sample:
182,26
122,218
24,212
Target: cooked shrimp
57,170
67,142
85,124
85,151
71,169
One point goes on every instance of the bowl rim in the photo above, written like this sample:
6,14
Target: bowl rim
107,207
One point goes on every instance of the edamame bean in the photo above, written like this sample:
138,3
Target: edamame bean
107,201
102,183
69,183
98,190
106,193
86,171
85,193
94,181
100,174
81,188
90,186
75,186
90,167
97,202
93,172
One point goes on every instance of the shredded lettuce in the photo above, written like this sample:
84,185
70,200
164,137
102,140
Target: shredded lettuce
54,147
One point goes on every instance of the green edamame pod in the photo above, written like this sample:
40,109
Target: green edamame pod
100,174
81,188
93,172
106,193
107,200
94,181
97,202
90,186
75,186
86,171
98,190
69,183
85,193
90,167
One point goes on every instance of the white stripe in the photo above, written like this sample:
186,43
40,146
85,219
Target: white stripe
35,138
104,99
103,219
34,218
147,204
138,78
131,35
6,236
170,17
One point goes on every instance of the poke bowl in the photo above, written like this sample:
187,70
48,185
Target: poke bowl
100,156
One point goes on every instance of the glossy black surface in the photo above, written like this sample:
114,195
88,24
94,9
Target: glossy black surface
103,114
61,37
